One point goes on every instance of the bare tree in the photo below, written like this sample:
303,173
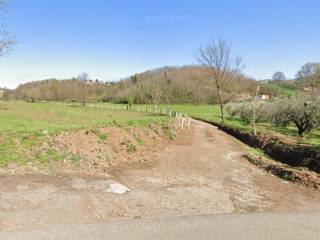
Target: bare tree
83,78
278,76
6,41
157,91
310,72
217,57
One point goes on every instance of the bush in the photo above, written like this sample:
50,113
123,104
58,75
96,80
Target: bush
130,100
244,111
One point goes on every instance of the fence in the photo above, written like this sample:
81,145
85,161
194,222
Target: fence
184,119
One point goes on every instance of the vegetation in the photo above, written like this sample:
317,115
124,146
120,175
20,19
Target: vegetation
279,89
221,67
130,100
265,126
302,111
278,76
310,74
24,126
188,84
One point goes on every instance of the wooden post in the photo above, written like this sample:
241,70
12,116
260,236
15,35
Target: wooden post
189,122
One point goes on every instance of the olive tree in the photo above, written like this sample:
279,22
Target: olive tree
222,66
302,111
250,112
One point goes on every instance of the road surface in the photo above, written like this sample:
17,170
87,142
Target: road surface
202,174
266,226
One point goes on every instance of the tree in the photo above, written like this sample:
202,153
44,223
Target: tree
130,100
217,57
134,79
278,76
83,78
54,88
6,41
310,72
302,111
157,90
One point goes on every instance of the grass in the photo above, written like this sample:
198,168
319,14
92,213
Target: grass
281,89
24,127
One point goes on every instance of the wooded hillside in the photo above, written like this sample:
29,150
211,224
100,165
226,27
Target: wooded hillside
188,84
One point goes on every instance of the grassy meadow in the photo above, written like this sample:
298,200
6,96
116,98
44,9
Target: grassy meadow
25,125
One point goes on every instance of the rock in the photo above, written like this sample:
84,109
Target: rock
118,188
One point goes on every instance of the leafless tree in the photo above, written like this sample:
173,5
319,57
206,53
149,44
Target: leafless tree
6,41
83,78
310,72
157,91
222,67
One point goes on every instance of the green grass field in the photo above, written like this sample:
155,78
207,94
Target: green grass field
281,90
25,125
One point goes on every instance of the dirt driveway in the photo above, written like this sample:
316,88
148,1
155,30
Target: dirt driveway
205,174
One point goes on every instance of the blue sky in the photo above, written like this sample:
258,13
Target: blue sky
111,39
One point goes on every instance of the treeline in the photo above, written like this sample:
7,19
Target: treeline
188,84
57,90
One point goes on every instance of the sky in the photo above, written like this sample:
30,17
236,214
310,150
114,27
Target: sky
112,39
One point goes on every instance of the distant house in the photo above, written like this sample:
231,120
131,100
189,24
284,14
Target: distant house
1,93
265,97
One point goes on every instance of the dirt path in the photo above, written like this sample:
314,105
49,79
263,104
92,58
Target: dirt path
204,175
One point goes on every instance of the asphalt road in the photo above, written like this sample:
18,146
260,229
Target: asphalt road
264,226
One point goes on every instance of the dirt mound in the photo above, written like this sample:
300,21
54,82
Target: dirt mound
93,151
296,175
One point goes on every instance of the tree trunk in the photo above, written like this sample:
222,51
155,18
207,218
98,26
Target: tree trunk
301,131
221,104
254,112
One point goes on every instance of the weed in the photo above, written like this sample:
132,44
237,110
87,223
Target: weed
131,148
169,133
103,136
75,159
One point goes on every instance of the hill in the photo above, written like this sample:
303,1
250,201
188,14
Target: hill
186,84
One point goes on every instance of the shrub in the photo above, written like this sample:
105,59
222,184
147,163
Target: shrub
130,100
244,110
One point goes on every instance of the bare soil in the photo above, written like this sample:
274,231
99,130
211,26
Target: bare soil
202,172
